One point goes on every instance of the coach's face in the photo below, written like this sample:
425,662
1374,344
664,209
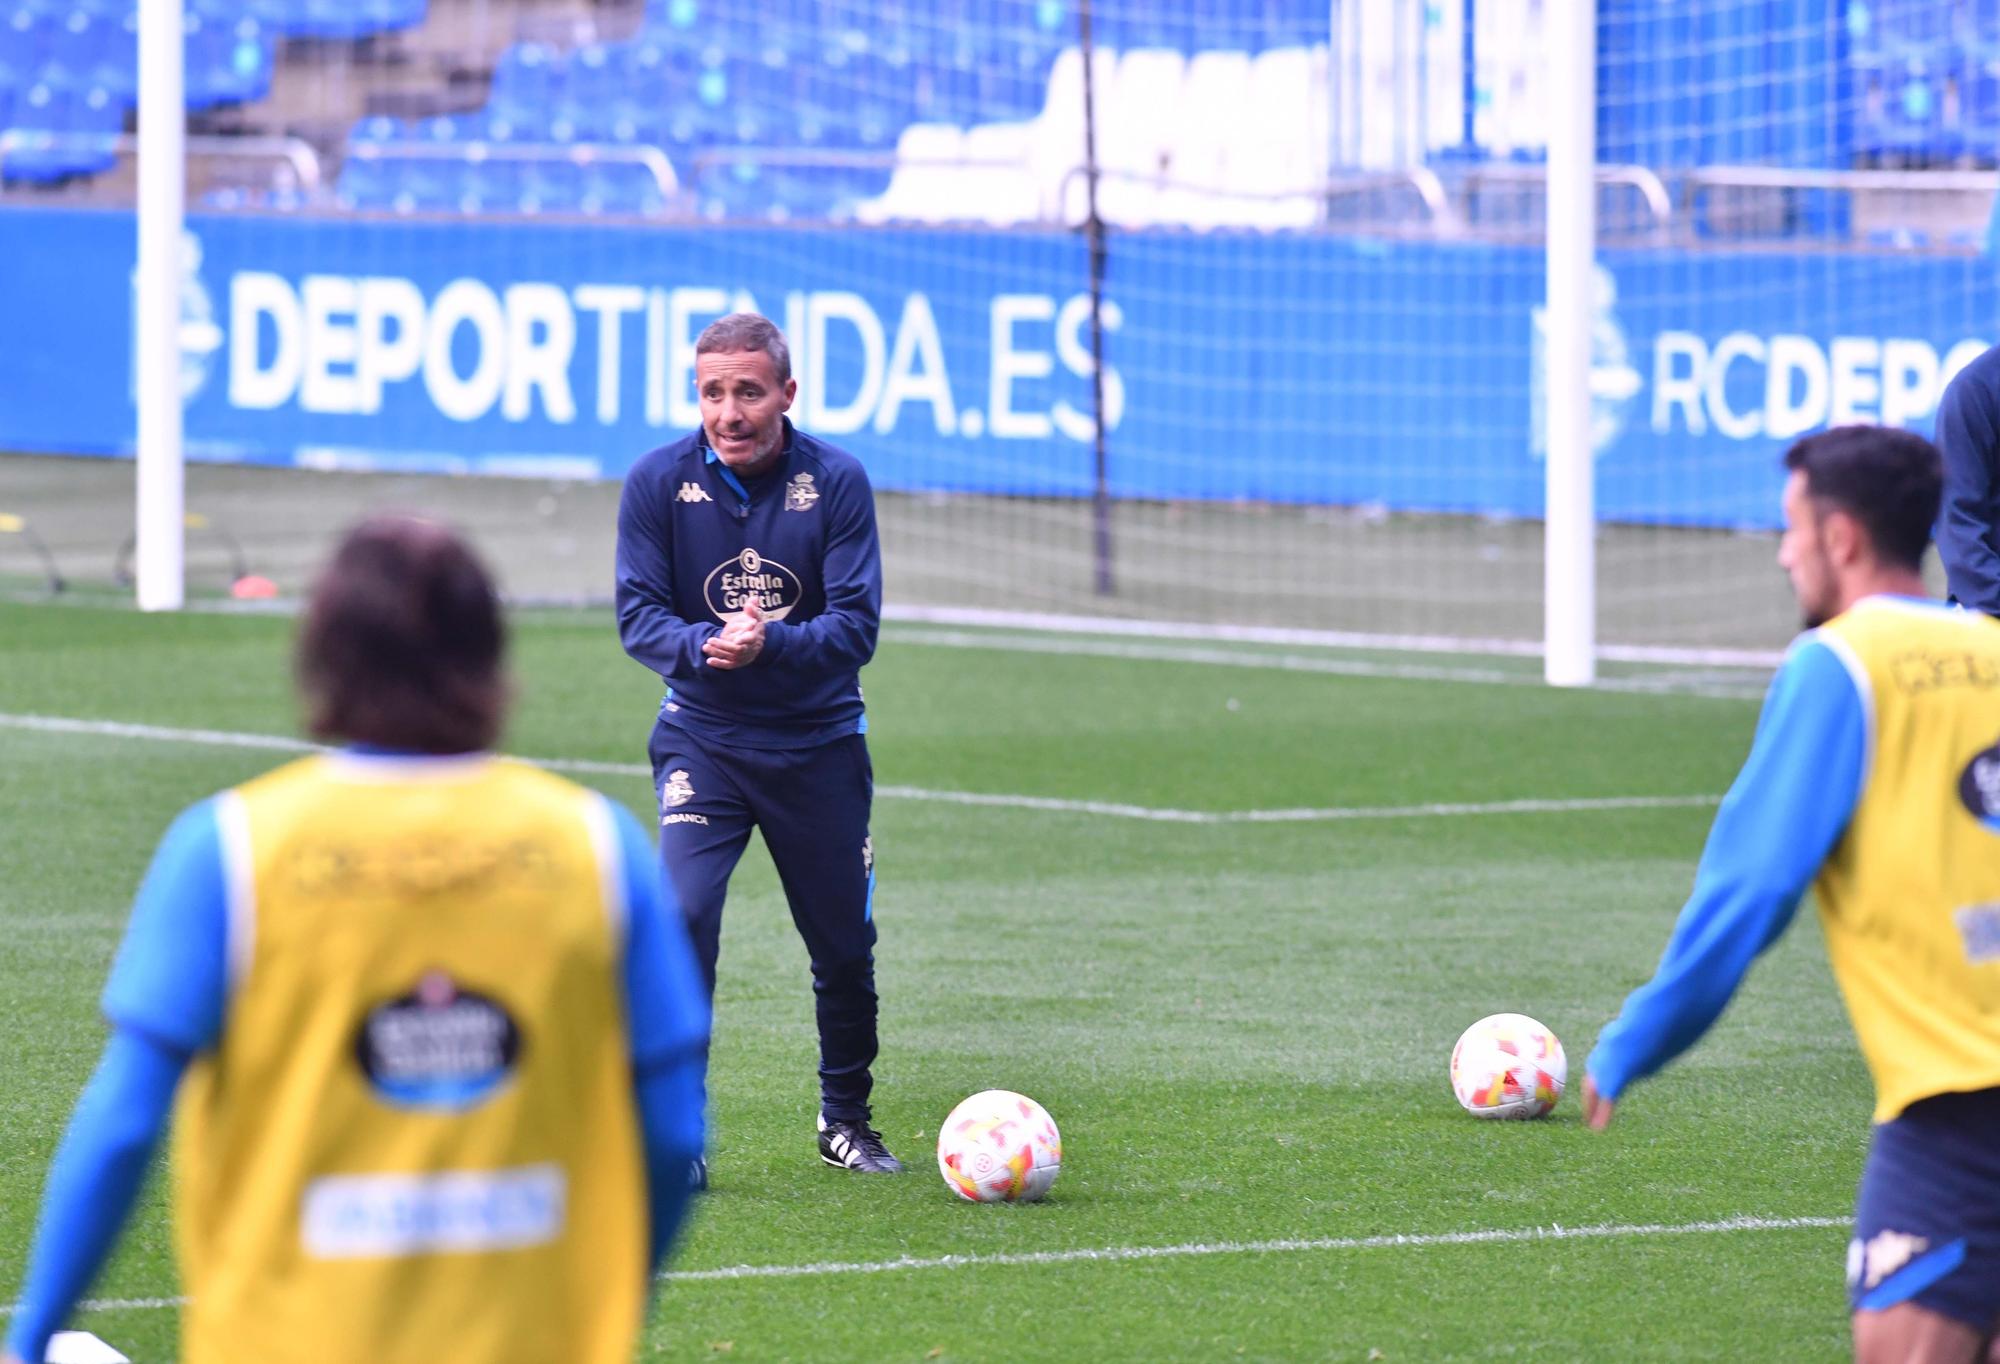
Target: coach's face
1803,554
743,407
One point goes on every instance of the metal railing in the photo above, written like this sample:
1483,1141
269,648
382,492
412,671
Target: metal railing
1652,190
1681,207
1774,177
476,151
1754,202
298,154
1426,184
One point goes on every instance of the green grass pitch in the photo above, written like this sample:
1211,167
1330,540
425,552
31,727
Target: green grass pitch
1242,1028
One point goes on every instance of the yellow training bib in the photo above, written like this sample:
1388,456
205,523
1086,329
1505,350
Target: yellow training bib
1910,897
416,1141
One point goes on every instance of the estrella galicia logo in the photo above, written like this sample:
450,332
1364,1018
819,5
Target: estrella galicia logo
778,589
1979,787
439,1046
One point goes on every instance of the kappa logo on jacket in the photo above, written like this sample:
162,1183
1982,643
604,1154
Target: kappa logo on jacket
692,492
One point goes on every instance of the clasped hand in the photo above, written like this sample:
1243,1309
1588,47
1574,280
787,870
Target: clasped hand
740,641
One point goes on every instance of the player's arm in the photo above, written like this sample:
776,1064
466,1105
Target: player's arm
165,1003
94,1181
1781,818
667,1016
648,625
841,638
1970,443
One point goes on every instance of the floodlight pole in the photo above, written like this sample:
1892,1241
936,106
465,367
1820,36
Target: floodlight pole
1569,565
160,562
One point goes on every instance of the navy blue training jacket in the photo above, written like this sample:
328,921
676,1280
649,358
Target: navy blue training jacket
1968,527
694,540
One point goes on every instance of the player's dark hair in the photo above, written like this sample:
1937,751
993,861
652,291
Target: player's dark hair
402,642
1890,481
747,331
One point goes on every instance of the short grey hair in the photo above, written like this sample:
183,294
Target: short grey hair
747,331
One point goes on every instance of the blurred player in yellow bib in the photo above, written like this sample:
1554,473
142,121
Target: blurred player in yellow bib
434,1033
1875,776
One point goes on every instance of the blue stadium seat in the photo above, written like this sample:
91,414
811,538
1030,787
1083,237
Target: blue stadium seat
366,184
730,24
1909,28
46,108
377,128
549,187
651,61
832,75
71,49
527,81
1980,102
1911,128
765,78
482,125
114,64
442,129
228,62
429,184
594,92
949,94
620,188
337,19
688,126
492,185
23,43
734,190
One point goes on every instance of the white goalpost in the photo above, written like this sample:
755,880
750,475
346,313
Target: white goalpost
1569,595
159,565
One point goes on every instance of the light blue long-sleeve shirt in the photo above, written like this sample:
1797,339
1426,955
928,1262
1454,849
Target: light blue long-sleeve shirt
1788,807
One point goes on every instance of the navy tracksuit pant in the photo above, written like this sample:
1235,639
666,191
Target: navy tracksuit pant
811,804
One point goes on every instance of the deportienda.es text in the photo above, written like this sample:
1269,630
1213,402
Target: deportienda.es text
340,344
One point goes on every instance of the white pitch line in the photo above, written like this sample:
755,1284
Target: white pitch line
1303,815
1289,1246
1707,685
1158,814
1185,1250
1325,639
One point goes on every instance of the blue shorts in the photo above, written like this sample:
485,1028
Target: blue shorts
1927,1221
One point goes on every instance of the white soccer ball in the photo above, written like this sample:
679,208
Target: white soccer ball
999,1147
1508,1066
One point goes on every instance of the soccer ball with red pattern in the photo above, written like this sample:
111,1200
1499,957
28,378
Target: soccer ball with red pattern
1508,1066
999,1147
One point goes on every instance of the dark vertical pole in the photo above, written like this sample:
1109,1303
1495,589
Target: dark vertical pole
1469,81
1093,227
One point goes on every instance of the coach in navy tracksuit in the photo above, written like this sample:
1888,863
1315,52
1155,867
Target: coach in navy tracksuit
1968,527
750,580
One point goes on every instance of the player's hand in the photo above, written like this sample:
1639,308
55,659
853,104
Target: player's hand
1597,1110
740,641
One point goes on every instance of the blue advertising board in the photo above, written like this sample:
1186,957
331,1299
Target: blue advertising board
1281,368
